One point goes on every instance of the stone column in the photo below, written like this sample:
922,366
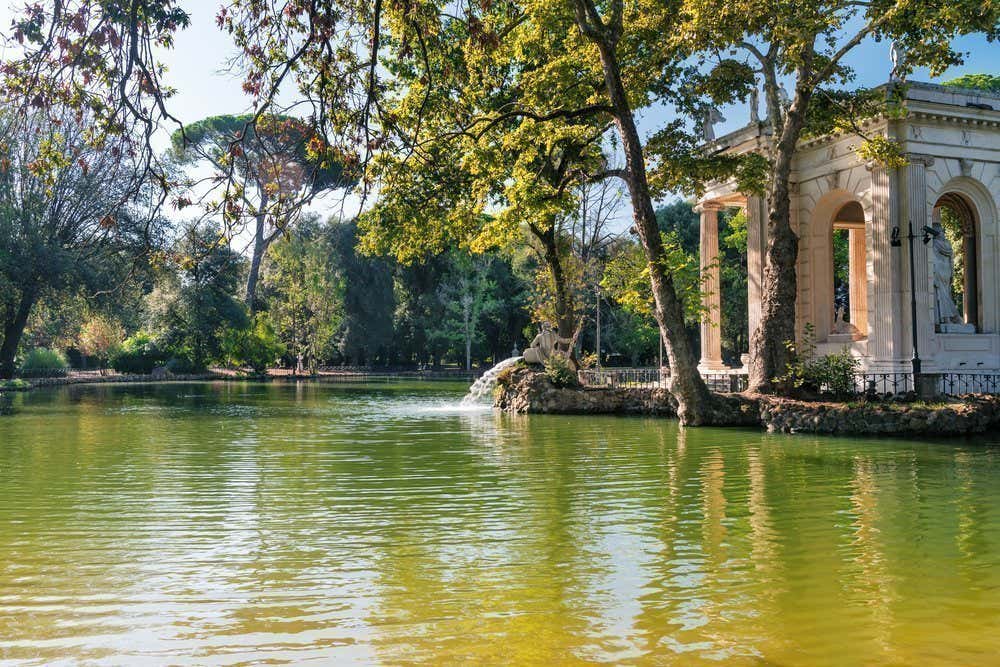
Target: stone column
756,213
919,215
858,268
885,317
711,333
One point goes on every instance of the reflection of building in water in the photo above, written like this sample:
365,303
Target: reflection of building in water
853,279
874,581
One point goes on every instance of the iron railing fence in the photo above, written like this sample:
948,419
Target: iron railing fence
864,384
882,384
624,378
959,384
655,378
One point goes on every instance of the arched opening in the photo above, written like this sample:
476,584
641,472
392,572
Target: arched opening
955,265
850,273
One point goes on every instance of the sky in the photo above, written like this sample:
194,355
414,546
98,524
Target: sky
197,64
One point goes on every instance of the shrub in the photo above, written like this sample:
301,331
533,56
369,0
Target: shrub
138,354
830,373
559,369
256,346
43,363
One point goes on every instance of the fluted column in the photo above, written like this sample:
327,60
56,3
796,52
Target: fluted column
858,268
756,214
711,331
919,215
885,316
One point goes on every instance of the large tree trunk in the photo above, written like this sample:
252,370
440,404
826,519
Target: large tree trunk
260,244
13,330
769,344
565,313
254,274
694,404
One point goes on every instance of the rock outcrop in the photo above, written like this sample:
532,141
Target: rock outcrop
521,390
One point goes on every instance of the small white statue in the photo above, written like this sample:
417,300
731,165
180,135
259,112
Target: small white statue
840,326
947,317
754,104
944,272
783,99
898,57
711,117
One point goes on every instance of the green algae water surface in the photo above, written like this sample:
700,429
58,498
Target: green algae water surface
231,523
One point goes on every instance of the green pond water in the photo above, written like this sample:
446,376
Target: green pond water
236,523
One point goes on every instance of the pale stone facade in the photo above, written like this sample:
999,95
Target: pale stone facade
951,138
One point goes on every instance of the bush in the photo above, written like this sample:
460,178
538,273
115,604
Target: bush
830,373
256,346
559,369
138,355
43,363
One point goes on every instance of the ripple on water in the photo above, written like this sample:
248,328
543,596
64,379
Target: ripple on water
238,523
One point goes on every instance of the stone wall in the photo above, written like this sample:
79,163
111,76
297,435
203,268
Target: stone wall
970,415
523,391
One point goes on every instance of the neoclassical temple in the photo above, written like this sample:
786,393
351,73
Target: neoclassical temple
853,220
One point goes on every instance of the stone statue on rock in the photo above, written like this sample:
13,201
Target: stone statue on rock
546,344
947,317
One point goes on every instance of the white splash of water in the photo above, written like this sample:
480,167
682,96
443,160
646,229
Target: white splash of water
483,387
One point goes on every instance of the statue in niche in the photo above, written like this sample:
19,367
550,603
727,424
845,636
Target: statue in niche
546,344
947,317
711,117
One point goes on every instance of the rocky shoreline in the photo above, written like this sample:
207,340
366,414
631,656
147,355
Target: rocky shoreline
523,391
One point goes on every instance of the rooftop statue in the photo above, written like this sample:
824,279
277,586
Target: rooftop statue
898,57
712,116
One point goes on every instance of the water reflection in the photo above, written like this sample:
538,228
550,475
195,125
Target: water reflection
226,523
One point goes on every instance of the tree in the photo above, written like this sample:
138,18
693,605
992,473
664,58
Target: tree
987,82
467,296
193,304
94,59
266,169
99,338
512,88
303,294
85,223
804,43
366,332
